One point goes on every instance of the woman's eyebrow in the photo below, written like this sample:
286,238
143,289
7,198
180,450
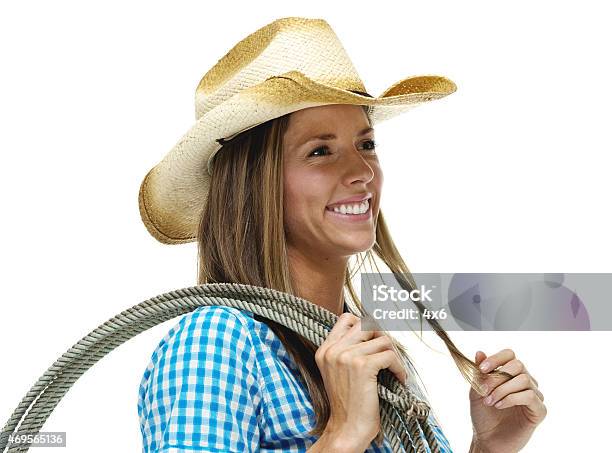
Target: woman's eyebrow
333,136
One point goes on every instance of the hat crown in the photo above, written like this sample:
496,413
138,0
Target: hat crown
309,46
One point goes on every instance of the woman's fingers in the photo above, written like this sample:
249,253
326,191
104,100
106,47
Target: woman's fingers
387,359
516,367
517,384
343,324
346,332
349,342
378,344
368,350
480,356
495,360
513,367
520,390
356,334
528,398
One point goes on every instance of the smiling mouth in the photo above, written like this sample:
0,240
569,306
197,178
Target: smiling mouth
351,209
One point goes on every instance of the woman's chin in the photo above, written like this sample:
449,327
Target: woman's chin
352,245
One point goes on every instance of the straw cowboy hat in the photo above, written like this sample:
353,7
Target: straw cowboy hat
290,64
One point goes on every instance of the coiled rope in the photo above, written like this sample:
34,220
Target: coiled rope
403,414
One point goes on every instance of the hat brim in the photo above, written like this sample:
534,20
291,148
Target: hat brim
173,192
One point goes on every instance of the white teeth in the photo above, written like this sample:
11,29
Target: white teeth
358,208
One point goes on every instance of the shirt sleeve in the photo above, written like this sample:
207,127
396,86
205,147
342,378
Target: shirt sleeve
203,392
440,437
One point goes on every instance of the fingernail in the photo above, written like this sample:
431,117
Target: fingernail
484,366
488,400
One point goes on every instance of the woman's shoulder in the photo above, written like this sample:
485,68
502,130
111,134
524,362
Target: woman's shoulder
215,333
210,329
211,320
211,346
203,385
215,313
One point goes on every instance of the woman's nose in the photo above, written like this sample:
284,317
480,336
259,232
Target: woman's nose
357,168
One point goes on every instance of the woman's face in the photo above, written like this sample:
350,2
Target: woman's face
332,181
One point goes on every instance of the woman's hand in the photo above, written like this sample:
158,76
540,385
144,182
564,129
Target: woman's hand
349,360
516,406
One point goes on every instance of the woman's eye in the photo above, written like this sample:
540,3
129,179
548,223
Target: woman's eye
370,145
321,148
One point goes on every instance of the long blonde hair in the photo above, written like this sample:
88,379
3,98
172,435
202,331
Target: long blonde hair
241,239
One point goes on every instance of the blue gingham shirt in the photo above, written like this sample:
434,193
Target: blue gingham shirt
222,381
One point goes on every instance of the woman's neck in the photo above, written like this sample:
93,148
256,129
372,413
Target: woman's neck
318,279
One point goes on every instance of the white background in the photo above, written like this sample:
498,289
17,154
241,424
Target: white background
509,174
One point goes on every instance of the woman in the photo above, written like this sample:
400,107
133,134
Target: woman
289,202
